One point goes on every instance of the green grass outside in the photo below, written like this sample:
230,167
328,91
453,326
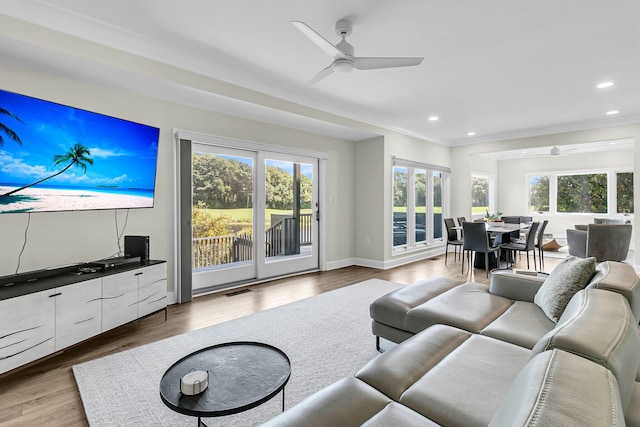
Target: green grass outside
245,215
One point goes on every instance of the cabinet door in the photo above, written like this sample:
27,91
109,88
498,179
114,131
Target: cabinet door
78,312
119,299
152,290
27,328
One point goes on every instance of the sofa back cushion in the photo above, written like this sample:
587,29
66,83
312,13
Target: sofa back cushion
599,326
557,388
571,275
621,278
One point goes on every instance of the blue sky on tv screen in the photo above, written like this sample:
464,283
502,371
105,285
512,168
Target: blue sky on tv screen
124,153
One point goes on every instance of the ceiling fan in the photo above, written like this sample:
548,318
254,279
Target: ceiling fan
343,52
553,152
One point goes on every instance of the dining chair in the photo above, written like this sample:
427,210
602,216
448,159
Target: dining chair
540,242
476,239
461,219
512,220
526,246
452,239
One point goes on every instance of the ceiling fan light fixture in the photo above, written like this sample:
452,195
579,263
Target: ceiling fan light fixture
342,65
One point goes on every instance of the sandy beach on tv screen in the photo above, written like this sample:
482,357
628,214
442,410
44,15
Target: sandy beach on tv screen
47,199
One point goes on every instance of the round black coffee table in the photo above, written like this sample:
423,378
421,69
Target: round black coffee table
242,375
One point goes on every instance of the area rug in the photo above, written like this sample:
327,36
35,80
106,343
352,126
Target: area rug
326,337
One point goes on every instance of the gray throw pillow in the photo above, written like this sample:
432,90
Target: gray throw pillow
565,280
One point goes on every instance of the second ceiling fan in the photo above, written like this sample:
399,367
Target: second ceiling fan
343,53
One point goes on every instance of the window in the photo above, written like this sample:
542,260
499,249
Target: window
624,192
419,193
400,176
539,193
586,193
593,192
421,205
481,194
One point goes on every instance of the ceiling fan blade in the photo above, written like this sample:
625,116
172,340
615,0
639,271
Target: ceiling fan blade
320,41
363,63
321,75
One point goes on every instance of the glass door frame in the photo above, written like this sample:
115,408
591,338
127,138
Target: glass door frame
183,255
214,277
288,265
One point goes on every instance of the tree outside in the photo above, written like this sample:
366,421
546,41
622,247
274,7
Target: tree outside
479,192
223,194
539,193
582,193
624,189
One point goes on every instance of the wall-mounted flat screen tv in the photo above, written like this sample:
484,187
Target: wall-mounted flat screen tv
54,157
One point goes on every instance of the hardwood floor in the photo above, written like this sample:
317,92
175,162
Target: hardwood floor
45,392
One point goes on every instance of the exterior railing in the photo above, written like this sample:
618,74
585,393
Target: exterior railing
219,250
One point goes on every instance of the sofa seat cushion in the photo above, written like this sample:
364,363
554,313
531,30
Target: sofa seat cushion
441,372
469,306
392,308
348,402
481,366
523,324
557,388
395,414
565,280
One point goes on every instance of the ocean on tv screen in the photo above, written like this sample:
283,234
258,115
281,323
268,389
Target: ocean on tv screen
55,157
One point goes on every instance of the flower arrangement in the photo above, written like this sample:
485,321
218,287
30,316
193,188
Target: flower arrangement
489,217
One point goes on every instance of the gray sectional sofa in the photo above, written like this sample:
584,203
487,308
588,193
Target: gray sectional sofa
478,355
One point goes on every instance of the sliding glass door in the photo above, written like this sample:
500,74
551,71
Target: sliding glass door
222,215
290,214
254,215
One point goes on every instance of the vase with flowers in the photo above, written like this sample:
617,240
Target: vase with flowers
494,218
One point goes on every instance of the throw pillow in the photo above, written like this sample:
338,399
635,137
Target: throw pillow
565,280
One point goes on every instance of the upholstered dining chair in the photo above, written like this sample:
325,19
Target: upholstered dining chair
452,239
476,239
527,245
461,219
540,242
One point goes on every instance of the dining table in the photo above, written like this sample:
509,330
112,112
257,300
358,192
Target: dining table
501,233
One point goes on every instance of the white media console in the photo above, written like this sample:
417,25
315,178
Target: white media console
41,314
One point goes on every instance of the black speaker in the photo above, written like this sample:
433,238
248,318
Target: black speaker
137,246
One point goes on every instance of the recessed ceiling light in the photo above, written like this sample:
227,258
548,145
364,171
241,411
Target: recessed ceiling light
434,118
612,112
604,85
471,134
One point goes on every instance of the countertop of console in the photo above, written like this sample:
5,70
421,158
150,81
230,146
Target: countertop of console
42,280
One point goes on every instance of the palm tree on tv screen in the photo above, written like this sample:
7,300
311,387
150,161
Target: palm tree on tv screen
8,131
77,155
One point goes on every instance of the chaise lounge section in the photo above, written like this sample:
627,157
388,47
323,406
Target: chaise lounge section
479,371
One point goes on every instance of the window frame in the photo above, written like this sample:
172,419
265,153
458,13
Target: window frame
612,193
410,241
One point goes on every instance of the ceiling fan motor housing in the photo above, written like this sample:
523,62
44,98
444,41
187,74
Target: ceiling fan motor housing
344,27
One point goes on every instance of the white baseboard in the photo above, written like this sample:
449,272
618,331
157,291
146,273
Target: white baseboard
334,265
383,265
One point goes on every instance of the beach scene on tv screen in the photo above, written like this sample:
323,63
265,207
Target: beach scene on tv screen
55,157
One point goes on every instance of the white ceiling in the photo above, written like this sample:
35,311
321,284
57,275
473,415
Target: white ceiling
500,68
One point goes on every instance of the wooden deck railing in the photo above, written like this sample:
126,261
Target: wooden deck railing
219,250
